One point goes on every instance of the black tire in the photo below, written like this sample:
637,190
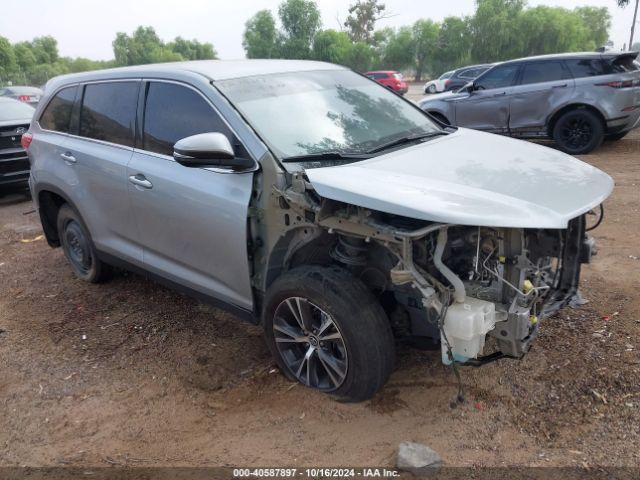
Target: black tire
578,132
431,89
78,247
614,137
365,348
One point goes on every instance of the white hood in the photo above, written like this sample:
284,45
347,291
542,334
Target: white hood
470,178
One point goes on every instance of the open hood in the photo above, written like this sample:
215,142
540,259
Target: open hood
470,178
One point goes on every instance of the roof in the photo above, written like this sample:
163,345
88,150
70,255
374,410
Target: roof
211,69
555,56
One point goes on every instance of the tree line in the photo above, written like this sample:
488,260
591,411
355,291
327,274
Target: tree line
35,62
498,30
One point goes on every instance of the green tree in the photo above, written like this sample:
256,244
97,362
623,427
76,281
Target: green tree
454,45
8,63
25,58
493,32
552,30
192,49
144,46
399,51
425,40
260,36
300,21
597,22
45,49
331,46
362,19
360,56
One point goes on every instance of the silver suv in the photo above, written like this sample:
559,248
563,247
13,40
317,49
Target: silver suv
313,200
576,99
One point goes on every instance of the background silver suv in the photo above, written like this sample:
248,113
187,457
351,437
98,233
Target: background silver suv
577,99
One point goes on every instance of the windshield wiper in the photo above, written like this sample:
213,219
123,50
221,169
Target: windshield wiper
407,139
314,157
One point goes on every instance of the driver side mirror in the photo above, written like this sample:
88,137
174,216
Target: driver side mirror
211,149
470,87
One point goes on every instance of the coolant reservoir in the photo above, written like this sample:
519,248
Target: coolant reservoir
466,325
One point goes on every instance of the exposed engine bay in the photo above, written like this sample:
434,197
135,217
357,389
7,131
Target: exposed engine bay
478,292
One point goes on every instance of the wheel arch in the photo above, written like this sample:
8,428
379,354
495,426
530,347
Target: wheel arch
303,244
49,199
553,118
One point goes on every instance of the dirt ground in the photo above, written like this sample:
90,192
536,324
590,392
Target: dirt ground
130,373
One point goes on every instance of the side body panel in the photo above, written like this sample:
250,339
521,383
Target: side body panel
193,225
531,104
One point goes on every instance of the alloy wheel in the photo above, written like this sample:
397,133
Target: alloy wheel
310,344
576,133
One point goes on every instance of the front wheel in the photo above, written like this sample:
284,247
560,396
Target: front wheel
432,89
327,331
578,132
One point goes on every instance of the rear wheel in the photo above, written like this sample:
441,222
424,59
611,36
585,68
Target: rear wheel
328,332
78,247
578,132
616,136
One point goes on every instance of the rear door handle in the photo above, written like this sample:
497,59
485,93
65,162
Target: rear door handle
564,85
140,180
68,157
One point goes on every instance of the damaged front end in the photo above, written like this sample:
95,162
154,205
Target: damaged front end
458,286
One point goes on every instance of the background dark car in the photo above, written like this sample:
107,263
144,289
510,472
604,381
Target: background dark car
15,117
464,75
391,79
30,95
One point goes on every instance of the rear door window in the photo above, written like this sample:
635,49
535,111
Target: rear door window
109,112
173,112
57,114
539,72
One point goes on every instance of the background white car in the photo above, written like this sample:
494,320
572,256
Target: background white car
439,84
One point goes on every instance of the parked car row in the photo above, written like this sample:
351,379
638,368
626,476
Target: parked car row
455,79
576,99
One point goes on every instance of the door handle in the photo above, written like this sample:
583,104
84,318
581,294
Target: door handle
68,157
140,180
564,85
499,94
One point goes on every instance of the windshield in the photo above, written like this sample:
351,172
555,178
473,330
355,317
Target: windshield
306,113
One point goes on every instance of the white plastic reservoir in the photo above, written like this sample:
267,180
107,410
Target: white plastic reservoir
466,325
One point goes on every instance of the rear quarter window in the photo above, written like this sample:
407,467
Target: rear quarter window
109,112
588,67
57,114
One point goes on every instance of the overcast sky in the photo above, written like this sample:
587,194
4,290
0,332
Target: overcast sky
86,27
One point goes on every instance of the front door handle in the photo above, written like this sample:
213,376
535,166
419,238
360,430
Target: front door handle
499,94
68,157
564,85
140,180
